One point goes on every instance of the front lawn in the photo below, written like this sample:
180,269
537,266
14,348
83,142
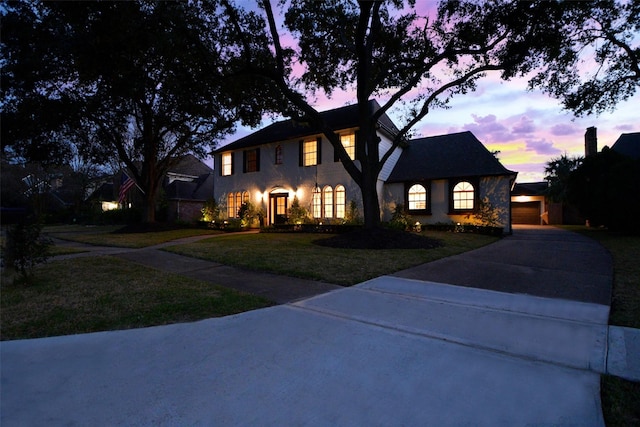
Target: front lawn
106,293
293,254
110,235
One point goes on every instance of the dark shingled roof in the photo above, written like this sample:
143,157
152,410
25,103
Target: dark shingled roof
628,144
339,118
455,155
199,189
190,165
530,189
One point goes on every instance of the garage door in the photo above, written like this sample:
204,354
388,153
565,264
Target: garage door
525,213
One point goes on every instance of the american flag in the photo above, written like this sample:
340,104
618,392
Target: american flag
125,184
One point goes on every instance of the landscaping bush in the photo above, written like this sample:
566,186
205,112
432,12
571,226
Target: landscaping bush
26,247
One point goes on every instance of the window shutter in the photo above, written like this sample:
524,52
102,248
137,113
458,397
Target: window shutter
319,150
244,161
220,164
301,153
257,159
233,162
335,151
355,146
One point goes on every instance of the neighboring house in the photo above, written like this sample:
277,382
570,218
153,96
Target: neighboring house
438,179
628,144
187,186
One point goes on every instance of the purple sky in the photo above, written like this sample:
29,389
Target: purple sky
529,128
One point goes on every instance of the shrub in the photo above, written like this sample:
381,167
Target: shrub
353,216
297,213
211,211
400,219
26,247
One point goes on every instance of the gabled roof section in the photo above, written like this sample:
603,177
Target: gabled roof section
530,189
190,165
199,189
628,145
338,119
456,155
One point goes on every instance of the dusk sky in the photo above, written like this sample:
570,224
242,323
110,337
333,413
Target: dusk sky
528,127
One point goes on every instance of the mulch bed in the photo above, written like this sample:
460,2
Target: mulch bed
379,238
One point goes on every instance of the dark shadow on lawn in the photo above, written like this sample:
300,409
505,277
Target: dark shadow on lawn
379,238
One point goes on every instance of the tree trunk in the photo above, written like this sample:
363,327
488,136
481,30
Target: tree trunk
370,202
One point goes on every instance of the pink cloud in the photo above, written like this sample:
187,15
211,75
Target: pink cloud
542,146
525,125
564,129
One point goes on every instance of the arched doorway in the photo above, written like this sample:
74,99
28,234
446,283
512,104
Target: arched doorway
278,206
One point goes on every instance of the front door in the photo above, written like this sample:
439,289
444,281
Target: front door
278,211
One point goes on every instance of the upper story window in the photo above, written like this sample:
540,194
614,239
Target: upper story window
463,196
310,152
417,197
251,160
349,144
279,155
227,164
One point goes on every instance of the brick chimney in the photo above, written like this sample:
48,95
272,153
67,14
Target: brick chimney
590,142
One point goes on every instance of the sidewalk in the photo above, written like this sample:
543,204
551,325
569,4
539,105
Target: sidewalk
396,350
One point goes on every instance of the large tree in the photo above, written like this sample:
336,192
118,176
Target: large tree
141,80
385,49
597,62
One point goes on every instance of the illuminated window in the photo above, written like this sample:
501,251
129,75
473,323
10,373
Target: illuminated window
328,202
238,204
349,144
309,153
279,155
227,164
463,196
341,201
251,160
317,204
417,197
231,212
245,198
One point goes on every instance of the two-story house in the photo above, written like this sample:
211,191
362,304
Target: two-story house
435,179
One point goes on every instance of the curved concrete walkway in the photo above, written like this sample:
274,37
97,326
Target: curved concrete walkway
396,350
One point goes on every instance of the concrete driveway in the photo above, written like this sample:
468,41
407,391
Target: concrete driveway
391,351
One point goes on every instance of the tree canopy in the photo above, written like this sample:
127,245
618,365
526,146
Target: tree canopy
385,49
597,62
147,81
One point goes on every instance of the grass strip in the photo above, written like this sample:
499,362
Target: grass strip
105,293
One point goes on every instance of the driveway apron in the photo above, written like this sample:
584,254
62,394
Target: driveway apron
408,349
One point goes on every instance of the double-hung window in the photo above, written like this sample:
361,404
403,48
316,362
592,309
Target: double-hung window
226,163
310,152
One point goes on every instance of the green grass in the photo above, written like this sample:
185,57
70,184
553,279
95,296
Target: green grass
625,251
295,255
104,236
620,401
105,293
620,398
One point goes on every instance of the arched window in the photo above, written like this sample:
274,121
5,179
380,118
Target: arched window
417,197
238,204
245,198
463,196
341,201
317,203
231,212
328,201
